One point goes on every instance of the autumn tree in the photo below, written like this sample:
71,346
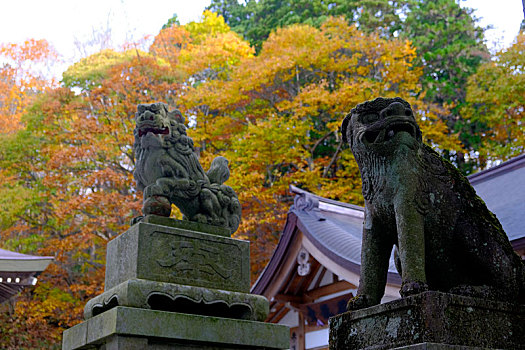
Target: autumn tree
23,74
71,167
277,117
201,50
74,184
450,46
496,104
450,49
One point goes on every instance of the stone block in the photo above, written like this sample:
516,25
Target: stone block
76,337
174,255
180,298
187,225
436,346
124,327
431,320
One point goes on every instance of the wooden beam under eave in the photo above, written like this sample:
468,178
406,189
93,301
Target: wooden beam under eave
296,299
328,289
278,315
305,281
301,334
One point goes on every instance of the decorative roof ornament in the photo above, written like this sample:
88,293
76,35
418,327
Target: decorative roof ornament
303,257
307,203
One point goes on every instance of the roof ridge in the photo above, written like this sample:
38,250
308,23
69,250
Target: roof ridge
506,166
297,190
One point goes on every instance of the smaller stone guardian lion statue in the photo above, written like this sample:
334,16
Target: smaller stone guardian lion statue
168,171
445,238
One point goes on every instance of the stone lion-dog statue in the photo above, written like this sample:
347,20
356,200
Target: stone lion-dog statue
168,171
444,236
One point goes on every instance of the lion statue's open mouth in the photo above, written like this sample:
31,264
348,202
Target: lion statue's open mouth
387,130
152,120
383,125
149,128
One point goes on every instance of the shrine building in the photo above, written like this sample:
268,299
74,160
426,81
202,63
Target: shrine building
314,269
18,271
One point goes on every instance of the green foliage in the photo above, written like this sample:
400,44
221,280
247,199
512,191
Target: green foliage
90,71
450,47
173,21
381,16
13,209
496,104
255,20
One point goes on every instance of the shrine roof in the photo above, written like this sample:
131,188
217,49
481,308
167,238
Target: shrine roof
503,189
18,271
334,228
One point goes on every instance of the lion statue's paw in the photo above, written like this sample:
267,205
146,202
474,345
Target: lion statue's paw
360,301
412,287
157,205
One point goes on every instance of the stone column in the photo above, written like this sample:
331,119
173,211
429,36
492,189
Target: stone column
176,285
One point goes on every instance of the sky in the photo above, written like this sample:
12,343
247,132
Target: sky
65,23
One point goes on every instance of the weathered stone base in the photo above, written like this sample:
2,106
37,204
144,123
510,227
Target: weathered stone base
431,320
179,298
176,255
186,225
131,328
436,346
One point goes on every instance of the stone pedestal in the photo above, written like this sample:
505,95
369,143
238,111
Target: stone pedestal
431,320
126,328
176,285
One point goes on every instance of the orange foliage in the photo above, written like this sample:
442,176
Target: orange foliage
78,174
169,42
276,117
22,77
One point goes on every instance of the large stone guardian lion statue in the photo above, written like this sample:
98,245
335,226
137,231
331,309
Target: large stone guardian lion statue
446,238
168,171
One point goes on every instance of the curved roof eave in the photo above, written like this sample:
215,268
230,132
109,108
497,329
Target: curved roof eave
278,256
338,246
17,262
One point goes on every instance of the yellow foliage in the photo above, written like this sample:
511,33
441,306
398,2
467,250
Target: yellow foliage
211,24
496,100
217,55
22,78
276,116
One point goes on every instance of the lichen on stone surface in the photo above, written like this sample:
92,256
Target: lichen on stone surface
168,171
445,237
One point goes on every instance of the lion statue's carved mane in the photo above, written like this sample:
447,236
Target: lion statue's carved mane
446,238
168,171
